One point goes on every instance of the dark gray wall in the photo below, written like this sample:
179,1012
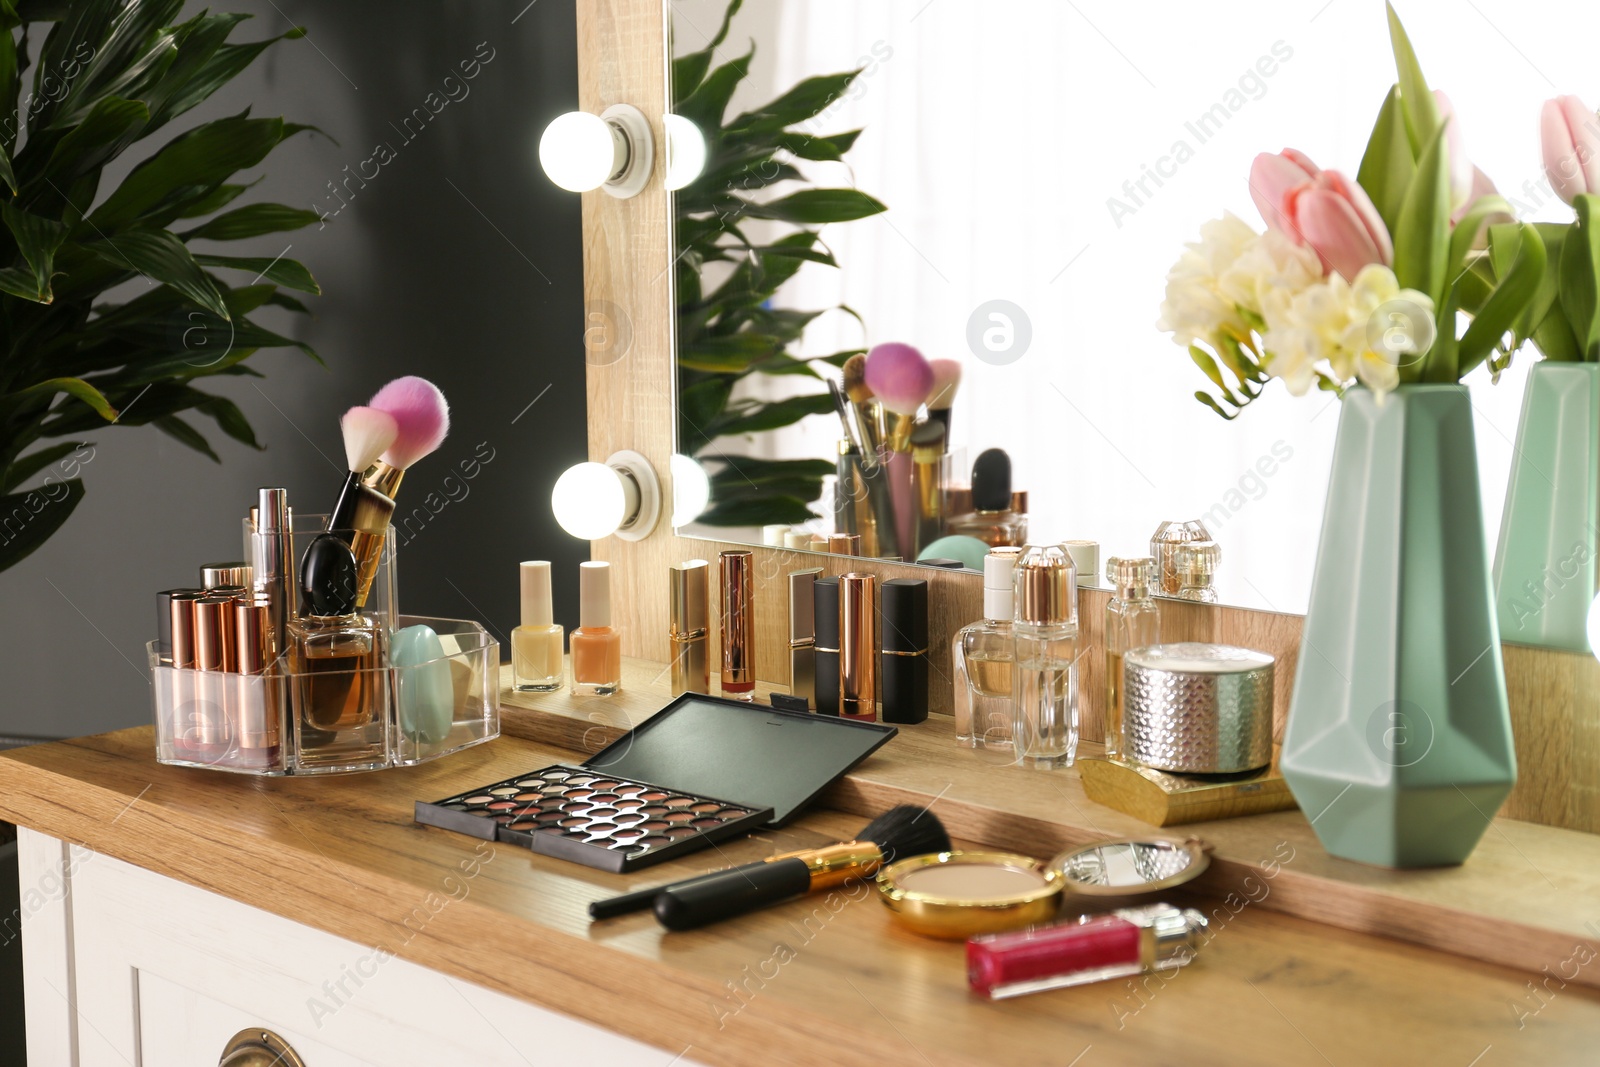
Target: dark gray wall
459,261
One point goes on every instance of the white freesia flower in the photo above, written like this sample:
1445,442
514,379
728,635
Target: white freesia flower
1268,273
1360,331
1195,308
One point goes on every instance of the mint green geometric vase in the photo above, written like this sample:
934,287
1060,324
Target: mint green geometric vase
1544,567
1398,747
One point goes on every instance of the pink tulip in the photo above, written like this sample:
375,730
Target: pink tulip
1273,177
1335,218
1570,136
1461,168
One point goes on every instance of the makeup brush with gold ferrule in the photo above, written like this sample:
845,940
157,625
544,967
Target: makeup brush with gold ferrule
896,834
864,409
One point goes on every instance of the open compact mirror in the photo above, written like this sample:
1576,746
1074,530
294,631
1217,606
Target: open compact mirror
1133,867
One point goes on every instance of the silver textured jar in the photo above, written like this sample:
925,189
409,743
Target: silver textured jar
1198,708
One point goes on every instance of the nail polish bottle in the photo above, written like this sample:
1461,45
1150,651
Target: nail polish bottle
536,665
596,644
903,672
825,648
738,624
335,659
688,633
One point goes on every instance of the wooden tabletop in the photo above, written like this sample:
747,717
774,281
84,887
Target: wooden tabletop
820,981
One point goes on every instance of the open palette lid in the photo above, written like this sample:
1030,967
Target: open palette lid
749,754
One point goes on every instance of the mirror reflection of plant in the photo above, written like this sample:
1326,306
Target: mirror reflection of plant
108,74
733,331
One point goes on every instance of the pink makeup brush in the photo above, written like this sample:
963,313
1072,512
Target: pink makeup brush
422,414
946,380
421,418
900,378
367,433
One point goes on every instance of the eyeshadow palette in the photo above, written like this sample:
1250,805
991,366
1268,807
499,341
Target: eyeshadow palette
614,824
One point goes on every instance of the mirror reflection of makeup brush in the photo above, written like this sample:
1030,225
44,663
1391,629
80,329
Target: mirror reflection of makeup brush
946,380
869,434
902,380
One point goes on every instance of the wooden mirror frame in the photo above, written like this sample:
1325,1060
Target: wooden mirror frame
629,345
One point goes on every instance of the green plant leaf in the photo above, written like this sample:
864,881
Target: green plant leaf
1465,232
285,272
34,462
27,520
1422,241
704,107
1580,275
74,387
802,102
1209,368
37,239
182,432
1517,287
215,71
815,207
215,200
160,256
253,220
1420,110
1388,164
829,149
776,414
688,71
757,510
110,127
732,354
200,158
1211,403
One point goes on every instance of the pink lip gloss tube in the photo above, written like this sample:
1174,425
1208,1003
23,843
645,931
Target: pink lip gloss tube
1096,948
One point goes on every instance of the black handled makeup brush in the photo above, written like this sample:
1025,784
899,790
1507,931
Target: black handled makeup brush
897,833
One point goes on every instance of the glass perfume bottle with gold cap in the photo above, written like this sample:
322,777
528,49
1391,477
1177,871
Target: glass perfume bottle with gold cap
984,655
1197,567
1044,723
1132,621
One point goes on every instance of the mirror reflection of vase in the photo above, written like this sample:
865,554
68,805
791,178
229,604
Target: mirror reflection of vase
1544,567
1398,746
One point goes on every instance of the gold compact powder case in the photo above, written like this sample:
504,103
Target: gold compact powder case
1195,708
956,895
1129,869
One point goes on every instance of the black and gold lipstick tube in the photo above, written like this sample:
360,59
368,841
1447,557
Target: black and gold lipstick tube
825,648
858,646
903,674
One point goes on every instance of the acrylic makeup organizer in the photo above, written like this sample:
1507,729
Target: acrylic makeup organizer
251,723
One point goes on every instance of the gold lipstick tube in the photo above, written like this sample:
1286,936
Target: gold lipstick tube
214,655
738,624
844,544
255,711
858,647
688,632
185,683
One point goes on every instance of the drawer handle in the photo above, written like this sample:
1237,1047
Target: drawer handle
259,1048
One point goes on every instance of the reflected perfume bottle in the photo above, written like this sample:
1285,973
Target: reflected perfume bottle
536,665
1132,621
992,519
984,653
335,659
596,644
1196,565
1044,724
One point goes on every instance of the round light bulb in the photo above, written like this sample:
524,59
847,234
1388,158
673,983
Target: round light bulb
578,151
691,489
1594,627
686,151
589,501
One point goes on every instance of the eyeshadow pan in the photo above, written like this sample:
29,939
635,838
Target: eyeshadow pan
603,822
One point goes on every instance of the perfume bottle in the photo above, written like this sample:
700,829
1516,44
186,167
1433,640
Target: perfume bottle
1132,621
335,660
1044,685
596,645
992,519
536,645
1164,544
984,653
1196,566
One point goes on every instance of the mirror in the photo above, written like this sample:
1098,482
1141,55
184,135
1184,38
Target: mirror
1024,176
1125,867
